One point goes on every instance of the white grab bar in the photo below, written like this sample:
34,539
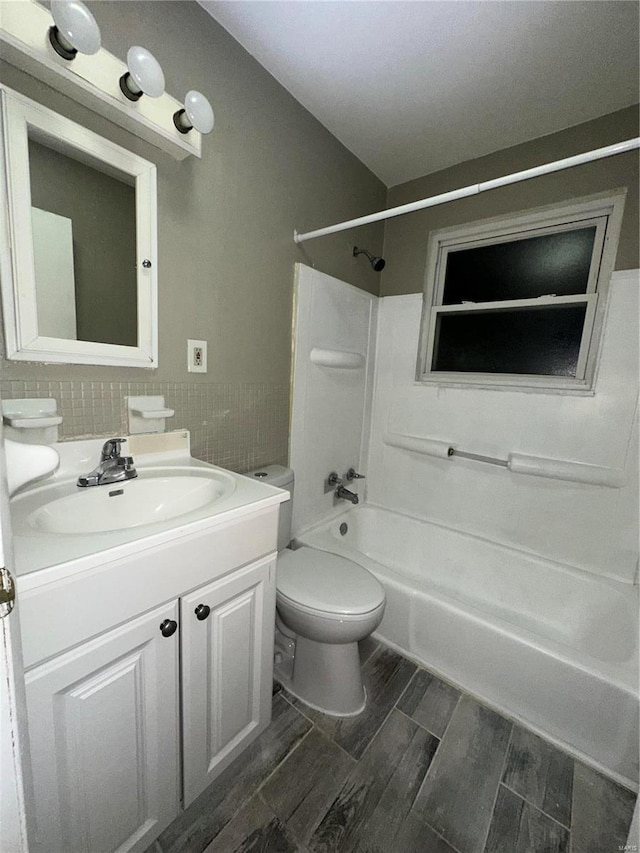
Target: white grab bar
517,463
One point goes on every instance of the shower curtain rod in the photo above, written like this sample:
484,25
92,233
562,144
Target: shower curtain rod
474,189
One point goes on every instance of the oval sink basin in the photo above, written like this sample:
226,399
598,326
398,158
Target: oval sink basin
152,497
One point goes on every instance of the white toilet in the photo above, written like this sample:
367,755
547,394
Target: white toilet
325,605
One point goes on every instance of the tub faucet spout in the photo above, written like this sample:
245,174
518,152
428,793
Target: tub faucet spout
346,495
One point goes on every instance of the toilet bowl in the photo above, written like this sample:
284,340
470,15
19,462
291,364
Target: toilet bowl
330,604
325,605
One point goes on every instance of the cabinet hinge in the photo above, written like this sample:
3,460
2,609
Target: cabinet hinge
7,592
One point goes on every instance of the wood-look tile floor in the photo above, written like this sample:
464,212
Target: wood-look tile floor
424,769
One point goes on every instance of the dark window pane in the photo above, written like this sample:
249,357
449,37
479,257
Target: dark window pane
544,341
521,269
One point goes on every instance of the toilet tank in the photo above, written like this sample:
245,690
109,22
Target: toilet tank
282,477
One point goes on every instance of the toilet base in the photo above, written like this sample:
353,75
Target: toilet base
290,690
327,677
284,649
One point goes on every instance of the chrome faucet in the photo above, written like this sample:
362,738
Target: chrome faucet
112,468
344,494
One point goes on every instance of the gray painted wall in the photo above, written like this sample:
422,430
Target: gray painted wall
226,222
226,250
406,237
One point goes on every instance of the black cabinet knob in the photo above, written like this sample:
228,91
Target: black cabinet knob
202,611
146,263
168,627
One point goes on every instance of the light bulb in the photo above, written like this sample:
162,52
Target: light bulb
75,29
145,75
197,113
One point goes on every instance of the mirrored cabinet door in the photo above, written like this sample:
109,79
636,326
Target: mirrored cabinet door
78,245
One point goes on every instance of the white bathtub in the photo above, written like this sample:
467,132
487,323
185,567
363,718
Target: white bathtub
545,644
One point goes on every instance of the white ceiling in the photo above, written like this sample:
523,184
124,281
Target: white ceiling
413,87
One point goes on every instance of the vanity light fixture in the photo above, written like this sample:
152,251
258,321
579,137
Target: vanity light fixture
43,40
75,29
197,113
144,77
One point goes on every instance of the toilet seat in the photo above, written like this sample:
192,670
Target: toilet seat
320,582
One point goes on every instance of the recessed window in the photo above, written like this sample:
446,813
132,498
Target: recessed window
519,301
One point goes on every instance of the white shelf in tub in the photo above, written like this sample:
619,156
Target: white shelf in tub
336,358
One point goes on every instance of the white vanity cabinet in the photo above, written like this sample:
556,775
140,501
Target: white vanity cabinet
103,729
134,702
227,649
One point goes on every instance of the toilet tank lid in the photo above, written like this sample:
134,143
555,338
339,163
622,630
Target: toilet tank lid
274,475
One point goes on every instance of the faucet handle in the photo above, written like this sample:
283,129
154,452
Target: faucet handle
126,463
331,482
352,474
111,448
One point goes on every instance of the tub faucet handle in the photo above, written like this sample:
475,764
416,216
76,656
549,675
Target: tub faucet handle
352,474
333,480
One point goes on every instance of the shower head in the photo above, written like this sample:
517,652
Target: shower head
376,263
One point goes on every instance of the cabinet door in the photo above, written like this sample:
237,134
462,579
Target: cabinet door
227,668
103,728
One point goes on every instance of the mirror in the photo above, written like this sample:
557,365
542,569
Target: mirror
84,243
78,244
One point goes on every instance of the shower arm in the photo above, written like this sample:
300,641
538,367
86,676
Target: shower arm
474,189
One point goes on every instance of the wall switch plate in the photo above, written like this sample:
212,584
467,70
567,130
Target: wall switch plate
197,356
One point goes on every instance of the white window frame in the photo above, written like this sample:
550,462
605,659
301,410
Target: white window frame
604,211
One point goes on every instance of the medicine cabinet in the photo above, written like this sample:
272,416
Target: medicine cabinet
78,242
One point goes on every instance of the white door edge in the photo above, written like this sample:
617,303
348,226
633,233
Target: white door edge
16,801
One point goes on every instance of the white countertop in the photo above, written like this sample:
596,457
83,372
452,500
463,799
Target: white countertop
42,557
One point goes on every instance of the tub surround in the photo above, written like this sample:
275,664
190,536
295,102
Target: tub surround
591,527
334,336
502,505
